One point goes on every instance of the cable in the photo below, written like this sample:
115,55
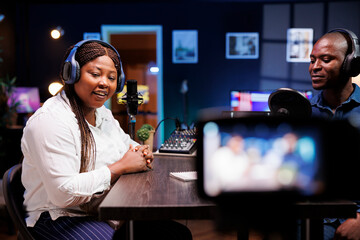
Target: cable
177,123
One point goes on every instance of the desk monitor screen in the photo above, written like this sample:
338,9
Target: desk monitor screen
28,97
249,156
254,100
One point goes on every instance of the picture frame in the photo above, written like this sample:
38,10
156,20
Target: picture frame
91,35
185,46
299,44
242,45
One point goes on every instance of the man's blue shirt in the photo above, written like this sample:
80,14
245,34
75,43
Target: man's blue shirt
350,109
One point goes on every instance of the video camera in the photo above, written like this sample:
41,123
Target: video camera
284,159
256,168
271,165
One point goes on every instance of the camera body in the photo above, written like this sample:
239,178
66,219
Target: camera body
277,159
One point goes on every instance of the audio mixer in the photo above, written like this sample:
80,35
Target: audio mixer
180,141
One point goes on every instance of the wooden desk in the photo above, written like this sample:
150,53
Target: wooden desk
153,195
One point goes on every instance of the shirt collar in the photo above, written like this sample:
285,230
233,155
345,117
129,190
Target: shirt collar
318,99
99,112
355,96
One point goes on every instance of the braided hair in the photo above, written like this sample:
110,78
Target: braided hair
84,54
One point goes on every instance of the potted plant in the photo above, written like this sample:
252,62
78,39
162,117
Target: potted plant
8,104
146,135
9,137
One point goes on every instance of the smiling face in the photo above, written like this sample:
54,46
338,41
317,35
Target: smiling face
326,61
97,83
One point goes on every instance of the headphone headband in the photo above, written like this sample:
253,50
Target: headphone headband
71,68
351,62
353,37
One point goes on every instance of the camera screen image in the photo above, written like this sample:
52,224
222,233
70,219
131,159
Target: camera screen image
258,157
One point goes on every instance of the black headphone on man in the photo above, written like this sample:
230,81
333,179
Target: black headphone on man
71,68
351,64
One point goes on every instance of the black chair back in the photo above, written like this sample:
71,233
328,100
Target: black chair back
13,194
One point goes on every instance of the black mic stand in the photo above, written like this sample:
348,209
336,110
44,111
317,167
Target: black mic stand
131,125
135,102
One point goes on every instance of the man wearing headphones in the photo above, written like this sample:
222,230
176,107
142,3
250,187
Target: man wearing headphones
334,60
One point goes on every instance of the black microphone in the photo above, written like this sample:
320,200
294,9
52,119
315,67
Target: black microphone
132,97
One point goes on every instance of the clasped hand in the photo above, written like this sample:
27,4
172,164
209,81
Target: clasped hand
145,152
136,159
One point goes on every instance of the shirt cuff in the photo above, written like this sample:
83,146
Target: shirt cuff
88,183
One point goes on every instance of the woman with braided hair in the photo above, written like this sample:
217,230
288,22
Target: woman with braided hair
74,149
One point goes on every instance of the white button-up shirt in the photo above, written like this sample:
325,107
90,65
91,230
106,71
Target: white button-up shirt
51,146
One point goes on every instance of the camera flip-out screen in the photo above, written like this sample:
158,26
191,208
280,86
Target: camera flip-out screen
269,155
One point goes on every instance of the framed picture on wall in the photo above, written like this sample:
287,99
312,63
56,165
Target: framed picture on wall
92,35
242,45
299,44
185,46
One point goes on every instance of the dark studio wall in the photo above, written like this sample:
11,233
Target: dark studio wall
7,41
208,80
212,78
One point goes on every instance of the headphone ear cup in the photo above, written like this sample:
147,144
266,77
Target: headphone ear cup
346,66
121,80
66,72
71,72
351,66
